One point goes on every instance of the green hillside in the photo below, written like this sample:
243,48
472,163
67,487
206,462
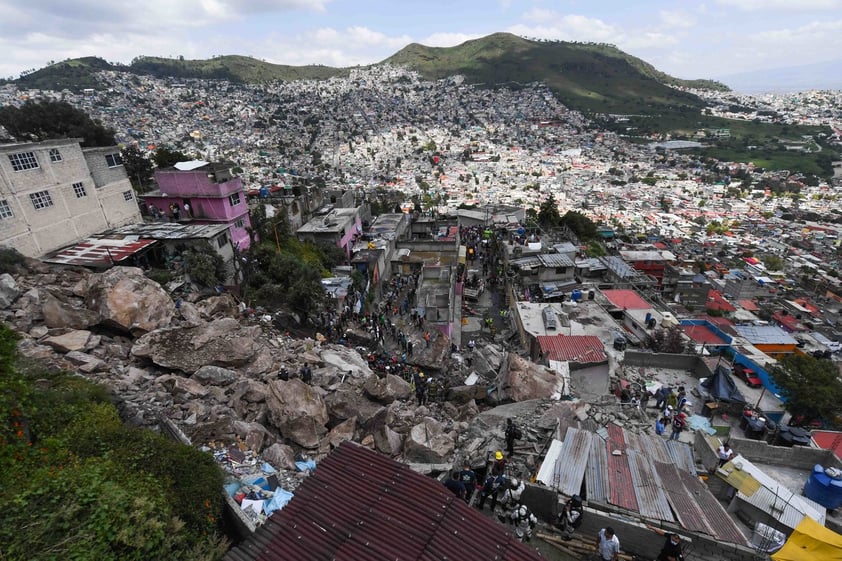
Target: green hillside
590,77
73,74
594,78
235,68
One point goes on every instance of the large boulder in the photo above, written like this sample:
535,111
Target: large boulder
59,313
214,376
222,342
427,443
126,299
9,291
387,389
433,358
342,432
298,411
527,380
280,456
182,389
345,360
220,306
75,340
486,360
347,402
387,441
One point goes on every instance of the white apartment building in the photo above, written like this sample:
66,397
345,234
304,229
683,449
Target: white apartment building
55,193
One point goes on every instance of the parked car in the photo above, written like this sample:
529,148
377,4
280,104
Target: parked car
747,375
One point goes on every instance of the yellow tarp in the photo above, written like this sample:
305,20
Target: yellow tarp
811,541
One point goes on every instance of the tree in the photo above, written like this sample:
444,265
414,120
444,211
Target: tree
45,120
581,225
669,340
138,167
548,215
166,158
811,387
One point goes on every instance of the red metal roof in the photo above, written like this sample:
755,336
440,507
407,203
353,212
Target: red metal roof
748,305
572,348
360,505
703,334
621,489
829,440
99,252
717,302
626,299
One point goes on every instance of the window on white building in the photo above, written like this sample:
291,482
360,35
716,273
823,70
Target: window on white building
41,199
23,161
79,189
128,195
222,240
5,210
234,199
113,160
55,155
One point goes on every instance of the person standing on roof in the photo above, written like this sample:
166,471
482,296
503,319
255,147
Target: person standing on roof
725,454
672,547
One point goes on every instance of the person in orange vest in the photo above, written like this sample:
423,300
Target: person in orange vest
427,338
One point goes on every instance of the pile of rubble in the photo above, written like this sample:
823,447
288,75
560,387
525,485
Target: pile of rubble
214,373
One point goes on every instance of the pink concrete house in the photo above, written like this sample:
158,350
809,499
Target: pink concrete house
202,193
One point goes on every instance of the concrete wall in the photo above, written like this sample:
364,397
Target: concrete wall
636,538
102,173
70,218
691,363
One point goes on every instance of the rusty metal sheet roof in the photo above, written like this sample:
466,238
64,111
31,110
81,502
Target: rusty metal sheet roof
573,460
651,497
596,474
621,487
99,252
723,526
687,510
655,448
360,505
573,348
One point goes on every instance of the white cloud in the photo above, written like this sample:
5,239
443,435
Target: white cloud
447,39
782,5
566,27
677,19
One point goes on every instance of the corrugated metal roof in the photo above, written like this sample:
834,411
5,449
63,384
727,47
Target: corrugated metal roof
771,496
359,505
555,260
548,473
686,509
573,460
723,526
621,487
596,474
572,348
99,252
651,497
765,335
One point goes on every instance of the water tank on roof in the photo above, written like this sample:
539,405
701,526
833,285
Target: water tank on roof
591,294
550,322
576,295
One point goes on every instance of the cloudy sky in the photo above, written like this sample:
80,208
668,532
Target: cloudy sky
686,38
